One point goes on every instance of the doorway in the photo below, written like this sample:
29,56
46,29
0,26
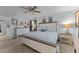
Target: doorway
0,28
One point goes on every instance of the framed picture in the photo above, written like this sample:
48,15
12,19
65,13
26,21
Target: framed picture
21,23
50,19
43,20
14,21
77,18
8,26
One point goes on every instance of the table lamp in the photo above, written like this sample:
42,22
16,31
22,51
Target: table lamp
67,26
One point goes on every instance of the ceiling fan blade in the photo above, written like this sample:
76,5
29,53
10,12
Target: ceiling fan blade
38,11
34,7
24,7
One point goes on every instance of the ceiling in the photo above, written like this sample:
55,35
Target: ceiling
17,11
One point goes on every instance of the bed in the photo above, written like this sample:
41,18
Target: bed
44,42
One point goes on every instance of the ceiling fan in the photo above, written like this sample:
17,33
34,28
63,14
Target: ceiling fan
31,9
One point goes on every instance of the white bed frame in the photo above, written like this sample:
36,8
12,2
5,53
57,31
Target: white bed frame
40,47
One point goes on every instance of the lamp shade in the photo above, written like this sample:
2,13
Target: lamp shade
67,25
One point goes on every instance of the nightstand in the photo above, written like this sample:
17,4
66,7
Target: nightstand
66,38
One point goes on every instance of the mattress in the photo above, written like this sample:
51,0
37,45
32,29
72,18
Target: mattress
49,38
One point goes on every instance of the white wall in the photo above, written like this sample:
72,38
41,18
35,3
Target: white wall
68,16
61,17
9,31
3,26
64,17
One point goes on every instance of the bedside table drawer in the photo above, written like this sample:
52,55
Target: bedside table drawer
66,39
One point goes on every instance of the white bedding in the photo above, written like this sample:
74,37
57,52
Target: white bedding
50,37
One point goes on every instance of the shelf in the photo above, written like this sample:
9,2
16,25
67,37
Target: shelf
49,22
